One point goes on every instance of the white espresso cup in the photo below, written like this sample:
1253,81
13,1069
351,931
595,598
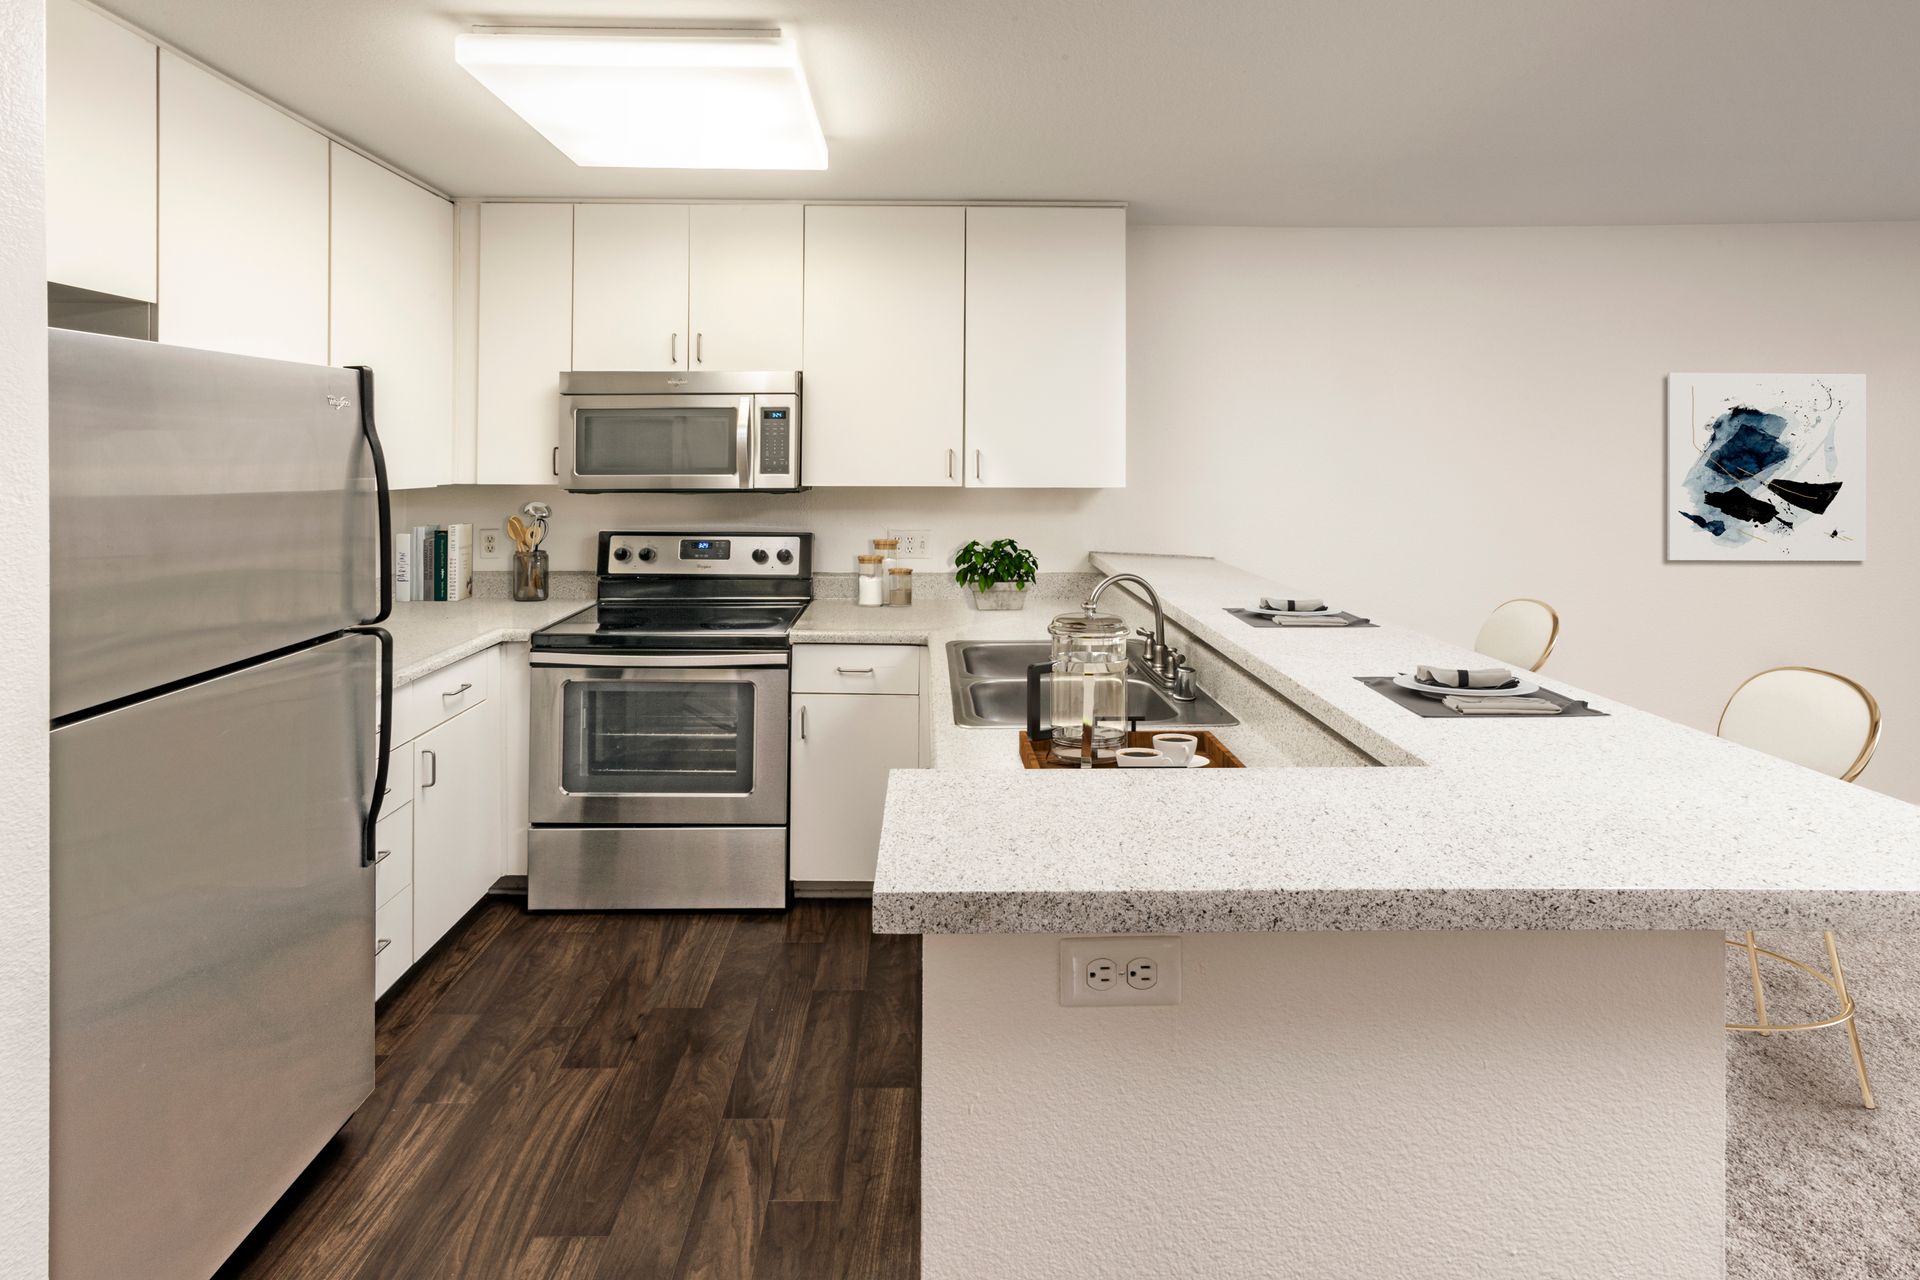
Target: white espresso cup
1142,758
1177,747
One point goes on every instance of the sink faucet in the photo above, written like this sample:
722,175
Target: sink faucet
1167,666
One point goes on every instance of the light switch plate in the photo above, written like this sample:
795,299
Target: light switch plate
1148,970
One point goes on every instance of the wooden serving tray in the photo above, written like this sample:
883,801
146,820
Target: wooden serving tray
1210,747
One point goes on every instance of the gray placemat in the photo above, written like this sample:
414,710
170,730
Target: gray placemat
1253,619
1434,709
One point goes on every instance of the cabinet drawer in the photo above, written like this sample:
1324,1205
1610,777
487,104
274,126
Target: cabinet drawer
393,853
441,695
392,941
399,771
856,668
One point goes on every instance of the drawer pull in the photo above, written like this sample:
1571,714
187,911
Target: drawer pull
381,856
454,693
854,671
381,944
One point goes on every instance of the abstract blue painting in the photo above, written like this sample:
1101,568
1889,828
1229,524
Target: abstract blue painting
1766,466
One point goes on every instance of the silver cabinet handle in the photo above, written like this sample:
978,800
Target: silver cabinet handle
382,856
700,348
949,464
854,671
381,945
976,465
432,762
454,693
803,724
673,350
556,459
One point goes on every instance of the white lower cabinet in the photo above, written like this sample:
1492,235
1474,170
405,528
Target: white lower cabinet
457,845
392,941
843,746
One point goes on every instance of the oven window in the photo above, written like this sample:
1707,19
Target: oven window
656,442
627,736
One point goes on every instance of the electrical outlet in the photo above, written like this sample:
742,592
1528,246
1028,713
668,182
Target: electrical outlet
1089,975
915,544
492,548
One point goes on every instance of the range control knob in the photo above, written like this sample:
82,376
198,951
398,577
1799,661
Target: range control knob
759,555
646,555
621,553
784,556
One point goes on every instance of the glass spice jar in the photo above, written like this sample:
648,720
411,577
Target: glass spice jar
899,587
870,587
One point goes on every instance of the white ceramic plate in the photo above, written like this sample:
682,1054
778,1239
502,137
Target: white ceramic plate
1520,690
1295,613
1198,762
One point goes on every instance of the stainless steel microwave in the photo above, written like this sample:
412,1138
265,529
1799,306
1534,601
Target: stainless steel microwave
671,432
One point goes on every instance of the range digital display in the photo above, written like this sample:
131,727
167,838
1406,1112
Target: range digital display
705,549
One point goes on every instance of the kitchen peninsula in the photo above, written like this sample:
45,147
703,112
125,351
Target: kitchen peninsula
1451,991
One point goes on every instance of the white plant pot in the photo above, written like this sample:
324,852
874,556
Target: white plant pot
1001,595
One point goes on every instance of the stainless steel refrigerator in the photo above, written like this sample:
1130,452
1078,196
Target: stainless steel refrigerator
219,731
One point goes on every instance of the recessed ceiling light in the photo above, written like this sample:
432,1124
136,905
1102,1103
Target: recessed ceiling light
652,98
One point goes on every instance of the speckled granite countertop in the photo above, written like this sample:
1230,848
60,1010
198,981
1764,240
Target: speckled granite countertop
427,637
1598,823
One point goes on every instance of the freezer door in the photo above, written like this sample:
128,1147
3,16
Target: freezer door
206,508
212,956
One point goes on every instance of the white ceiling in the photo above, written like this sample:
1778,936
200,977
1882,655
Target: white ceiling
1259,112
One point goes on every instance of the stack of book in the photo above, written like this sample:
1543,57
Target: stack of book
433,562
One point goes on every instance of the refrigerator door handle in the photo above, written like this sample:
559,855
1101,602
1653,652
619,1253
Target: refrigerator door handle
383,747
384,495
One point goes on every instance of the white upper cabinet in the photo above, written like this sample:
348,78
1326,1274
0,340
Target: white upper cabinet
630,287
1046,347
743,276
885,345
100,154
525,339
392,265
243,222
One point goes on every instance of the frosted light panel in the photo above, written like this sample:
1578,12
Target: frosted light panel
653,101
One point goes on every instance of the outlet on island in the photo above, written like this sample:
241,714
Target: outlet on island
1089,974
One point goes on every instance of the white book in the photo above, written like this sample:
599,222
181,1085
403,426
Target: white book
403,566
459,561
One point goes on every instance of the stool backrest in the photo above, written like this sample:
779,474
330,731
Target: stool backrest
1520,633
1811,717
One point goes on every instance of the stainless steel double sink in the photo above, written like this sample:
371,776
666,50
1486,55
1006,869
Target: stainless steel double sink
989,682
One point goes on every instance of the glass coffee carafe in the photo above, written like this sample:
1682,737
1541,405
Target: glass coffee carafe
1086,698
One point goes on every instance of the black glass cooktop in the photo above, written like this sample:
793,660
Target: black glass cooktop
663,625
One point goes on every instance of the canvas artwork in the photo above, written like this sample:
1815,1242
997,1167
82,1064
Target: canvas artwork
1766,466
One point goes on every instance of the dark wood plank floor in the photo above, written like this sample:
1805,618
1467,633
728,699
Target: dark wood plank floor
630,1095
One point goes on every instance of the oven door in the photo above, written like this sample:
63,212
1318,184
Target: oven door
654,739
651,442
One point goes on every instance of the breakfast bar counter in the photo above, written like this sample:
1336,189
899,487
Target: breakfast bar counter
1443,997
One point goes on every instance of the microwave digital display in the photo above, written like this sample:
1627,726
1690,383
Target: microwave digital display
705,549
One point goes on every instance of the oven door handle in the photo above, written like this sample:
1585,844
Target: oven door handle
640,661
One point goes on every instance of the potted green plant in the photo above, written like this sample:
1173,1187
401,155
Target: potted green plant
998,573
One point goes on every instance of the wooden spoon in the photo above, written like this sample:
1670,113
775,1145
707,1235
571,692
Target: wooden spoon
517,530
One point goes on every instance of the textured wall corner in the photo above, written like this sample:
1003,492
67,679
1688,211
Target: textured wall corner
23,638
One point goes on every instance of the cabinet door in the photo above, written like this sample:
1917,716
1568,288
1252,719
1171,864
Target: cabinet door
1046,347
100,154
843,746
392,268
456,821
630,286
243,222
525,339
743,278
884,326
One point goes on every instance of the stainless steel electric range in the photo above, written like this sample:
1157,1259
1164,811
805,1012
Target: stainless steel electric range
658,760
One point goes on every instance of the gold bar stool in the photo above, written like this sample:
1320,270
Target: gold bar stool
1520,633
1826,722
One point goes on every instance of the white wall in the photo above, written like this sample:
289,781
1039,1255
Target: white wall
1422,423
1452,1106
23,637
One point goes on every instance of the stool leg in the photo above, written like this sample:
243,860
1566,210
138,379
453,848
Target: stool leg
1853,1032
1759,992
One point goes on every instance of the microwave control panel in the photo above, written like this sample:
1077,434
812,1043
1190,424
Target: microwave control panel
776,442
